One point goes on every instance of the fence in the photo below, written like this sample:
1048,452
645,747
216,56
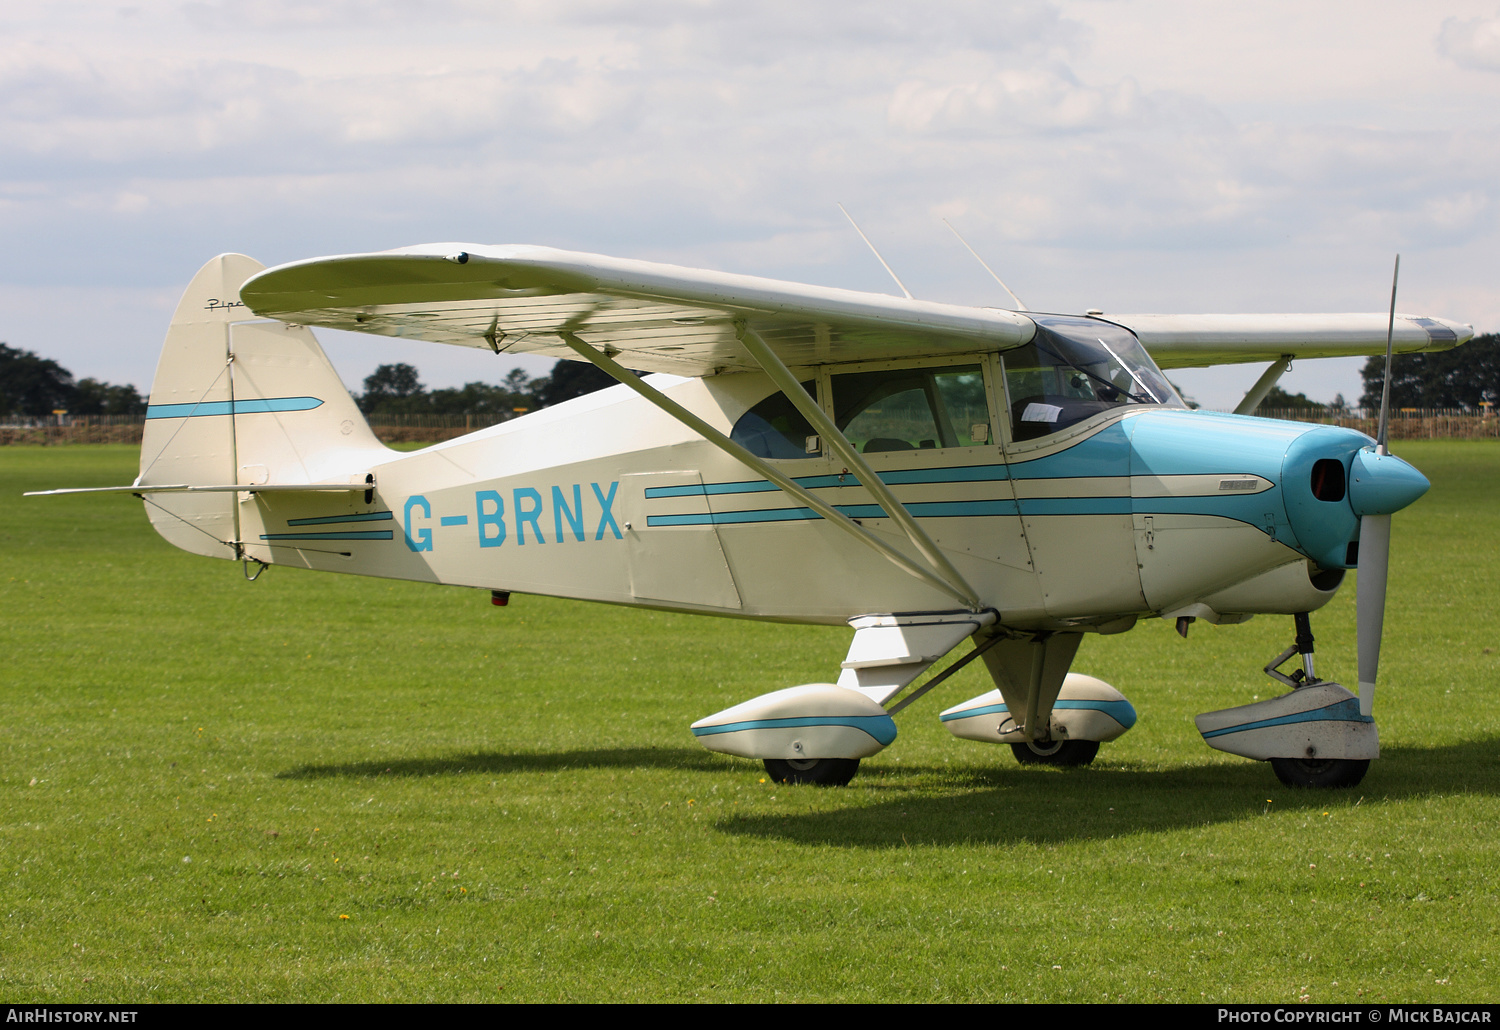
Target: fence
1406,424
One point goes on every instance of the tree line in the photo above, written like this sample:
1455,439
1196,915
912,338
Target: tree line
398,390
1465,377
37,387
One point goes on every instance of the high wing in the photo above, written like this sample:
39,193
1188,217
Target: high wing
647,316
666,318
1195,341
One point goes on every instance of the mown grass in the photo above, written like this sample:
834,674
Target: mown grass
202,777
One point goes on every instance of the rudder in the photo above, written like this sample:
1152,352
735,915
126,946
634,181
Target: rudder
239,400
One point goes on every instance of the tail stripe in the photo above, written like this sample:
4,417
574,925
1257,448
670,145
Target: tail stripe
249,406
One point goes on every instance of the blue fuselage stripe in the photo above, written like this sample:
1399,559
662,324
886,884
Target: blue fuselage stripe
925,509
373,534
323,520
963,474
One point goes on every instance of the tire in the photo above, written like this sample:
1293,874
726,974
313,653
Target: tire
824,772
1320,772
1058,752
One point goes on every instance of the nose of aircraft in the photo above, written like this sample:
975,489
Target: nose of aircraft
1382,484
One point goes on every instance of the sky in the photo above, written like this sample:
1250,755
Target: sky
1126,155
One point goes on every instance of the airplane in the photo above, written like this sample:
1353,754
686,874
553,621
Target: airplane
922,472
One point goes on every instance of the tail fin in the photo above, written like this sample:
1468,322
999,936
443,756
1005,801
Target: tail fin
241,400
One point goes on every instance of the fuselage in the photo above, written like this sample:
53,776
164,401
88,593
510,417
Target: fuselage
1133,510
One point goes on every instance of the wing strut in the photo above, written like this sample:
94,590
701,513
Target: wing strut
820,421
740,454
1263,385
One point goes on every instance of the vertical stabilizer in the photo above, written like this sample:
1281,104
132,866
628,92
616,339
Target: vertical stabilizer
237,399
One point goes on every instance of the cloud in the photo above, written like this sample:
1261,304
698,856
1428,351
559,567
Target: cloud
1471,42
1098,151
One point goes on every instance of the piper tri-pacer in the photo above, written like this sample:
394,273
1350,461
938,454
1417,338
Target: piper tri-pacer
923,472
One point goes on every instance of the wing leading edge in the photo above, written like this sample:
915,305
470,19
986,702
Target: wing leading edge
1195,341
647,316
666,318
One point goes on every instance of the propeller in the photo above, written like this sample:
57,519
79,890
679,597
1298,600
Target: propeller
1374,505
1369,601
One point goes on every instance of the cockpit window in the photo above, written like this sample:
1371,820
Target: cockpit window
774,428
909,409
1077,367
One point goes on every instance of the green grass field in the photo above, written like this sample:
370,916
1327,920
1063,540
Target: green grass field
322,788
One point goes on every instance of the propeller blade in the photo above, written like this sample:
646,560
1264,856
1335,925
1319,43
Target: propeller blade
1375,542
1369,599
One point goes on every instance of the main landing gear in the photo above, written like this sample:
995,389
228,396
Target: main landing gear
825,772
1056,752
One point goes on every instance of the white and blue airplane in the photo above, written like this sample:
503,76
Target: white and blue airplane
922,472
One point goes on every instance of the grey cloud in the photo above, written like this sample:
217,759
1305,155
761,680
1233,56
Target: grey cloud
1471,42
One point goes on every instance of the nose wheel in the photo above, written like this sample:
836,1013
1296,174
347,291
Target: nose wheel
1320,772
824,772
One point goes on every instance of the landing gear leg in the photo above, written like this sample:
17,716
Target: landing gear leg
1302,644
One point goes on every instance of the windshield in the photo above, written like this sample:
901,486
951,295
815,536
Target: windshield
1075,368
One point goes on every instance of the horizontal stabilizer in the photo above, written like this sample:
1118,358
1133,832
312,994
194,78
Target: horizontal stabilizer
223,488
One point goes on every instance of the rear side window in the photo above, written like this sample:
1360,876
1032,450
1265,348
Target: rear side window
774,428
912,408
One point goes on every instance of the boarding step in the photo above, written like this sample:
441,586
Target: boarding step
891,650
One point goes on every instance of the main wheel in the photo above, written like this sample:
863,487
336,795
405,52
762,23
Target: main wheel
825,772
1056,752
1320,772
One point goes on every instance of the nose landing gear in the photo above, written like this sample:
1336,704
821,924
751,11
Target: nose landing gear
1313,737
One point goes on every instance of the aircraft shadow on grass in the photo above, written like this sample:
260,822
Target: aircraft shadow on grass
1000,804
518,762
1008,805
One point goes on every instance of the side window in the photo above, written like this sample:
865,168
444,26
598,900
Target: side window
774,428
912,408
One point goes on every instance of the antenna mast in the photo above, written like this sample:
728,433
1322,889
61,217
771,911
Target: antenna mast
1020,306
877,253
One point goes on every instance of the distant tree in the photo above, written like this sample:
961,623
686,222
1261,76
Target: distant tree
30,385
93,397
1459,378
1189,401
1278,399
393,389
398,390
571,379
477,399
